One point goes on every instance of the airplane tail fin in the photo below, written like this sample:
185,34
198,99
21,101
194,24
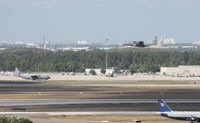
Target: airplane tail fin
163,106
17,72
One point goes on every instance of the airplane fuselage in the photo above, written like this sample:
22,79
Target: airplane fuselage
181,115
35,77
166,111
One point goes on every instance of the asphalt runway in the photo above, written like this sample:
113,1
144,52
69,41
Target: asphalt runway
114,93
52,93
10,87
62,90
28,102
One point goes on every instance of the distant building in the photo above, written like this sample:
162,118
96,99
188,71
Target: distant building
73,48
196,42
82,42
110,72
167,41
181,71
2,48
20,42
162,42
2,42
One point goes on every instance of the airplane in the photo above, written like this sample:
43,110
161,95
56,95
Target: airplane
31,76
136,44
166,111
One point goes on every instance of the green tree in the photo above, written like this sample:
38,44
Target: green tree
132,69
103,71
23,120
4,120
14,120
136,60
93,72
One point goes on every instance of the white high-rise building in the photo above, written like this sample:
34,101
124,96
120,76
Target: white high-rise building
159,42
18,42
82,42
167,41
196,42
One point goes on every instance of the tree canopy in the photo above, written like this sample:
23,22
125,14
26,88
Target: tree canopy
14,120
137,60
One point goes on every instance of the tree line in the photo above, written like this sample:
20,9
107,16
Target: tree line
136,60
14,120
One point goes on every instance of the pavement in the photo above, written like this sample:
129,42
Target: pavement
57,121
46,120
29,102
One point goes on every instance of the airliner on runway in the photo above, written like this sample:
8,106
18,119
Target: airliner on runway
166,111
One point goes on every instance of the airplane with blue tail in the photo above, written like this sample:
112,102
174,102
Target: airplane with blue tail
166,111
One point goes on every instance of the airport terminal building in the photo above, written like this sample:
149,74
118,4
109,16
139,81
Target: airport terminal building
181,71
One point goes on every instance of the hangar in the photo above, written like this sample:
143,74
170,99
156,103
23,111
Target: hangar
181,71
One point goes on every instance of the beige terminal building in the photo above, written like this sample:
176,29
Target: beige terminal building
181,71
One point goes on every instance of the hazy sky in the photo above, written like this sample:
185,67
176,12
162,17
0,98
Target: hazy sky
95,20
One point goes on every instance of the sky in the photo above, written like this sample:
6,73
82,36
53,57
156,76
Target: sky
67,21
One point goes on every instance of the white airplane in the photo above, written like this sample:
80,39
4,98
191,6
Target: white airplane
166,111
32,76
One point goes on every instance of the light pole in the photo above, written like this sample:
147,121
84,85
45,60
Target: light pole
107,53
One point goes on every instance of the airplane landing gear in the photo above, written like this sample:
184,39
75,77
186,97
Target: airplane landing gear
194,122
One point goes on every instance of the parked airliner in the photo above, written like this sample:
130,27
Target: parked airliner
31,76
166,111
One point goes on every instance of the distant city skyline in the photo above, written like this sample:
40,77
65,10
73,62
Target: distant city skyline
68,21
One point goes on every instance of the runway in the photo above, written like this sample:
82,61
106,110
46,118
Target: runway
83,113
28,102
